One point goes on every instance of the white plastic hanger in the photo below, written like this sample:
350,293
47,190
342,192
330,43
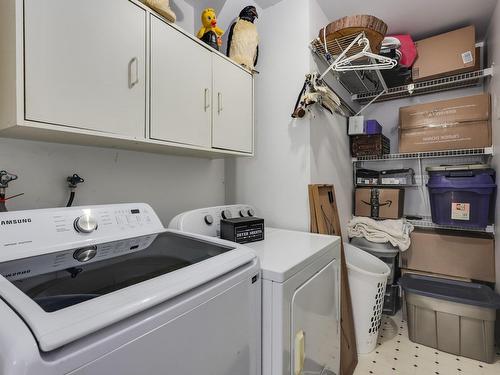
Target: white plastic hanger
374,61
343,63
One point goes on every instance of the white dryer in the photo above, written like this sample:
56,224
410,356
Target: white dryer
108,290
301,293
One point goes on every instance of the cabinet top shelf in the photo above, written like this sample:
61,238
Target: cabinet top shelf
427,155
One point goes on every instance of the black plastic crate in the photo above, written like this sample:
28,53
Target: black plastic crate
392,300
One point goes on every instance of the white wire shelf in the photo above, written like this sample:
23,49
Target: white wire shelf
427,87
378,186
367,86
334,47
428,155
355,82
426,223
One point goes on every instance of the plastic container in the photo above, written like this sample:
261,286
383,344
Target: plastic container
462,195
397,177
392,300
370,145
367,177
453,316
367,282
372,127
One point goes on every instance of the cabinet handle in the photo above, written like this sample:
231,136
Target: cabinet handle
220,108
207,101
133,74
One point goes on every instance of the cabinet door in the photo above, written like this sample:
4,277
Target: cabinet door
181,87
233,107
85,64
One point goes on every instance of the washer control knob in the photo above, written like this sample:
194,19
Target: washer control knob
85,224
209,219
85,254
226,214
251,212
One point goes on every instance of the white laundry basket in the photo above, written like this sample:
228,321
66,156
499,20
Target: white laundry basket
367,282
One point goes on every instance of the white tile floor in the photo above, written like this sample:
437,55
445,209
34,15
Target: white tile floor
397,355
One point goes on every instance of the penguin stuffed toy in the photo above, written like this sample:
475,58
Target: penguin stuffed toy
243,40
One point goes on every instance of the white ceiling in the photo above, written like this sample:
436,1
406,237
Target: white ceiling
266,3
218,4
419,18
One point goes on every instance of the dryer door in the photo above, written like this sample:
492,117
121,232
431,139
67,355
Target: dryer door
316,324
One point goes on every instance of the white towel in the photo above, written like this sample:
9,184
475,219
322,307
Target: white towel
397,232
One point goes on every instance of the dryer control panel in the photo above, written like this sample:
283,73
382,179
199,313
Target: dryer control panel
36,232
206,221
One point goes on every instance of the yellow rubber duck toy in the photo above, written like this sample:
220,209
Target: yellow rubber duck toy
209,32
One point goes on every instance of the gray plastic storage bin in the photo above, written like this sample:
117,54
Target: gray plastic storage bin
452,316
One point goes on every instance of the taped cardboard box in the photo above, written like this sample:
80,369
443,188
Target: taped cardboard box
446,125
379,203
462,255
445,54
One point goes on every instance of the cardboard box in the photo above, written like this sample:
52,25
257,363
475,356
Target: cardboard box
467,255
445,54
379,203
446,125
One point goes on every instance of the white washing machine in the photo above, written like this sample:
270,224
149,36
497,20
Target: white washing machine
301,293
108,290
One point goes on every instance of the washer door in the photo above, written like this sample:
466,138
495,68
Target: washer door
315,326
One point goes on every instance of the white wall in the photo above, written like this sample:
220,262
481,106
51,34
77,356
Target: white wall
185,14
330,151
276,180
170,184
290,154
493,43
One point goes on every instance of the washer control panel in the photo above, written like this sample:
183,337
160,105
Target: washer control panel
34,232
206,221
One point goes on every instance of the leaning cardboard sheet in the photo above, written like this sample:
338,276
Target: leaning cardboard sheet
397,232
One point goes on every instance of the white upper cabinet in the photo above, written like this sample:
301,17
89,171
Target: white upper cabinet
85,65
115,74
181,87
233,107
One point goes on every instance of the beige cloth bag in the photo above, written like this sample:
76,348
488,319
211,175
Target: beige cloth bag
162,7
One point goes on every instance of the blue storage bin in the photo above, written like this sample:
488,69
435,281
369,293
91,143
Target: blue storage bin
462,196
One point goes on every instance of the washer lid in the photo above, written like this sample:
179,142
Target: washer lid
65,295
284,253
